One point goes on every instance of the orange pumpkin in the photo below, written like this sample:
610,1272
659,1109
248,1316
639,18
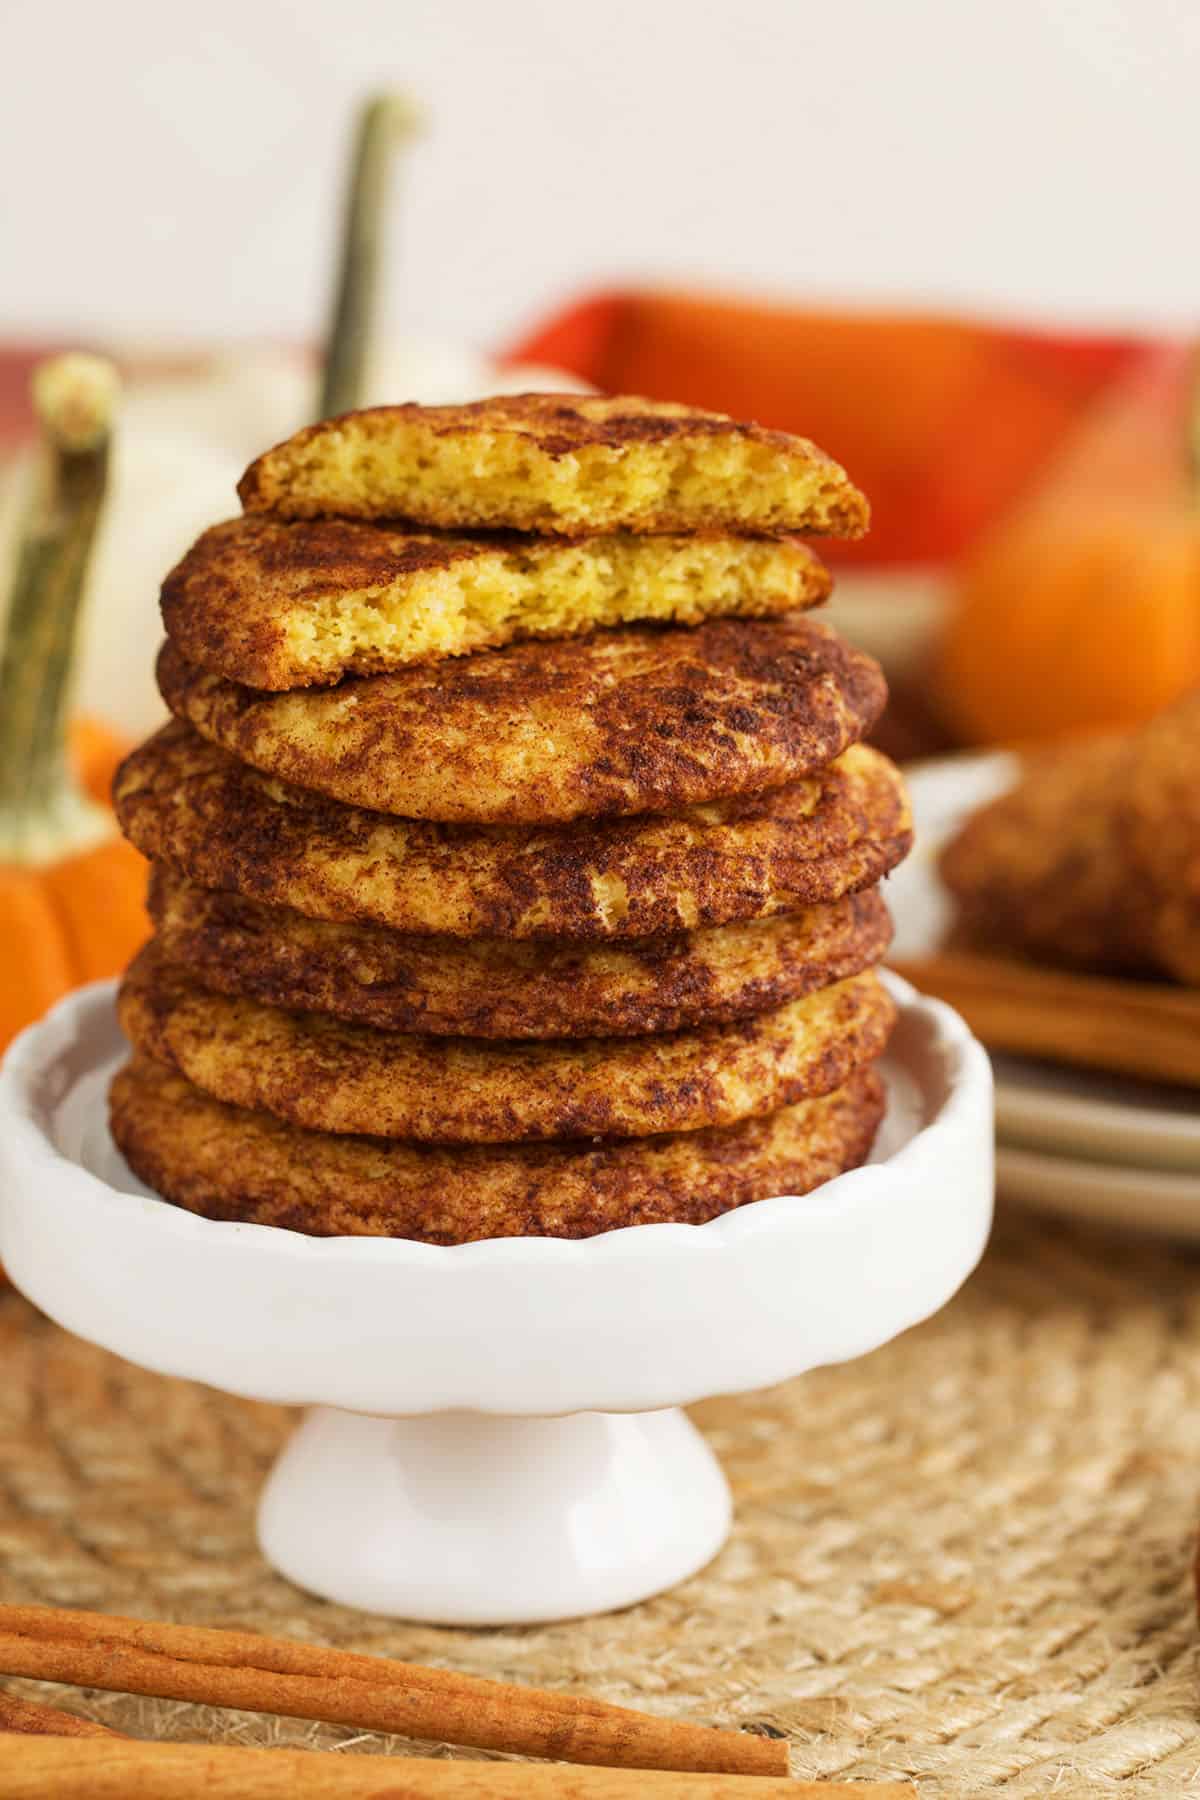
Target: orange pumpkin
1082,610
73,918
71,889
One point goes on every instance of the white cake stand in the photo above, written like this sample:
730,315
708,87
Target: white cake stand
494,1436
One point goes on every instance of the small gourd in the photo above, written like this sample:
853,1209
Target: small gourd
1081,611
71,889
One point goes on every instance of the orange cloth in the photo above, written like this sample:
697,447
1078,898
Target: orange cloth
943,422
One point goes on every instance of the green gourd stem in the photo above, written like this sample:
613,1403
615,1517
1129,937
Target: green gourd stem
44,813
384,123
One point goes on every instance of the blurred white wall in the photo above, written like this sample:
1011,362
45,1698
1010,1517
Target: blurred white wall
172,170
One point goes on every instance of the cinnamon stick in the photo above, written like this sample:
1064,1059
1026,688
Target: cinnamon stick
1128,1027
45,1770
303,1681
30,1717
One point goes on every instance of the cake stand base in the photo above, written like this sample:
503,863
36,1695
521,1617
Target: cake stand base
468,1519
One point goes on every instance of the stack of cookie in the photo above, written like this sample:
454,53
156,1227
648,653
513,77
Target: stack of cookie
515,850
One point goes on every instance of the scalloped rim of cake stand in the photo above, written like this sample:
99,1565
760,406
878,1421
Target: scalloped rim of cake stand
636,1319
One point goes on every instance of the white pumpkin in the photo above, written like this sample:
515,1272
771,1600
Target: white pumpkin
182,442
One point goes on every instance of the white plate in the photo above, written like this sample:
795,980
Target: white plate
1134,1146
1105,1118
943,793
1137,1199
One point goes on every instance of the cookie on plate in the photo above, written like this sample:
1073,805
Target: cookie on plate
227,1163
637,720
511,987
326,1075
567,464
186,802
288,603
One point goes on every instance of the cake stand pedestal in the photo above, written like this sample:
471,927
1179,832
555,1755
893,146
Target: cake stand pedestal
520,1518
494,1436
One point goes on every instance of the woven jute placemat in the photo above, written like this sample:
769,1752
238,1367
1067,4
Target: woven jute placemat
964,1558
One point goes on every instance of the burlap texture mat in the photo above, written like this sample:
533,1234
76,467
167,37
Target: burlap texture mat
964,1558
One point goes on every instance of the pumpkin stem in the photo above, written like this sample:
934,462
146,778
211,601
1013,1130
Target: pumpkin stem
44,813
384,123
